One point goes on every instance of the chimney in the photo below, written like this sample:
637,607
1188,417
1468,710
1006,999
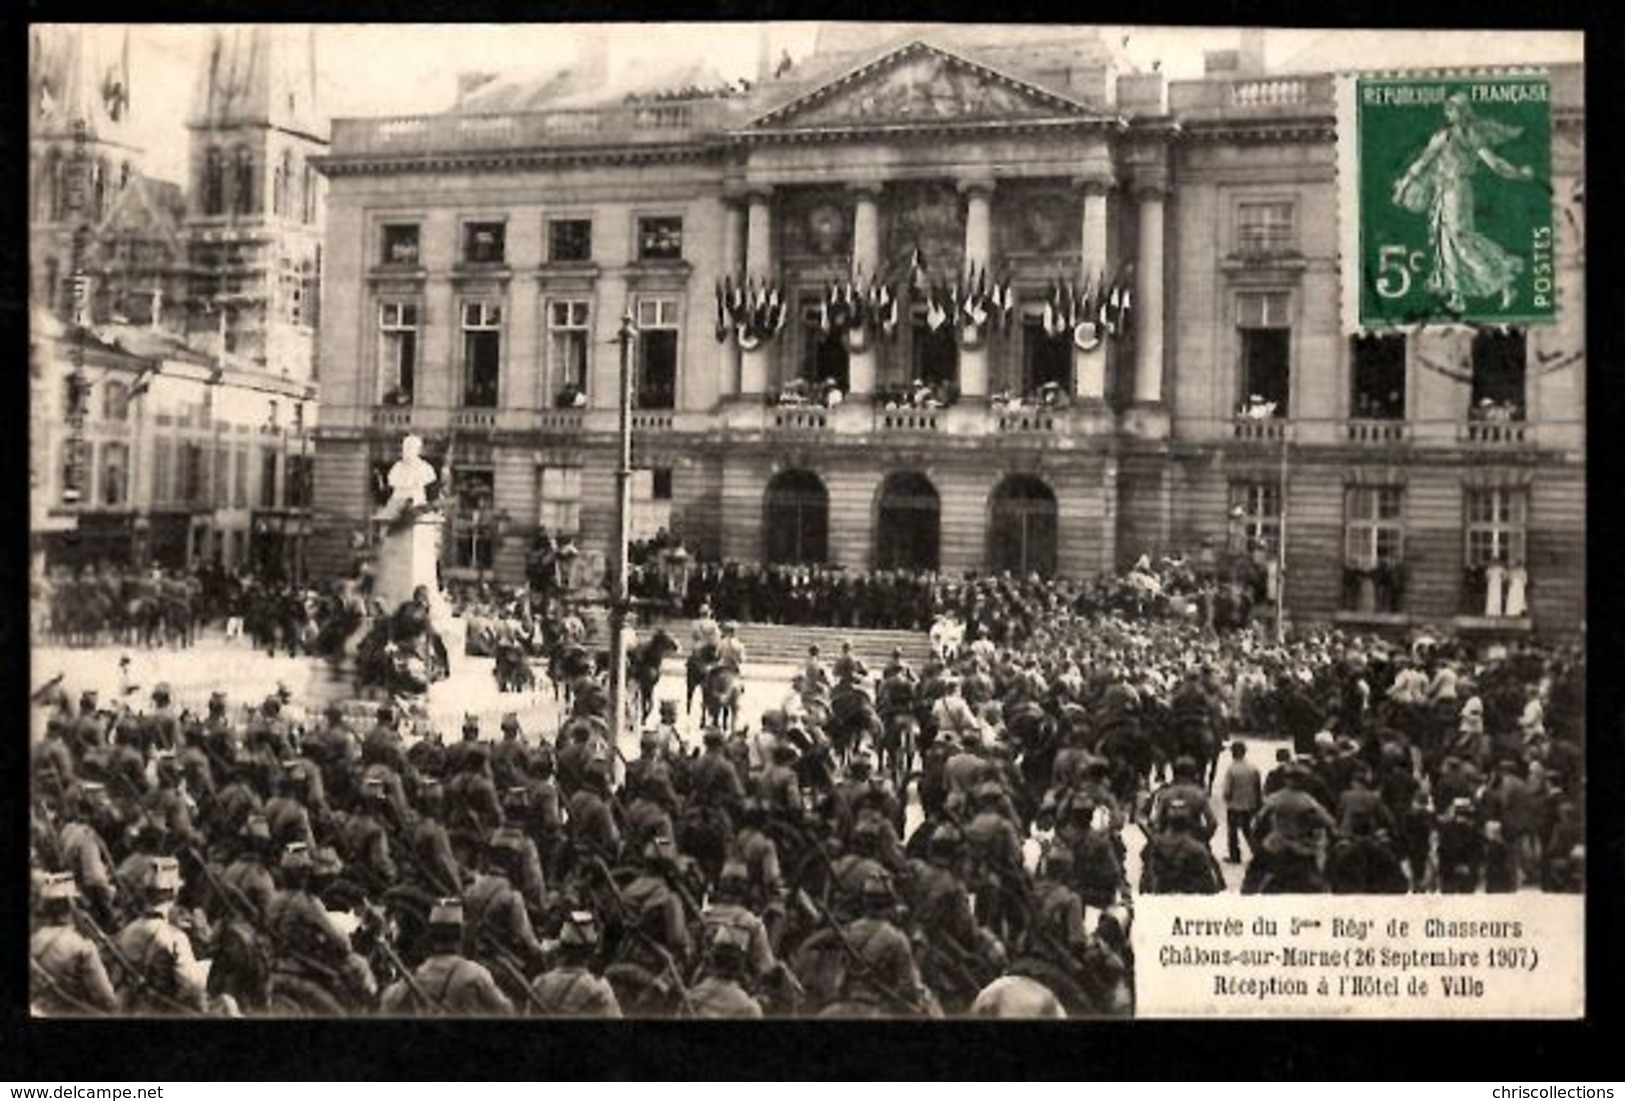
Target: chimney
1252,51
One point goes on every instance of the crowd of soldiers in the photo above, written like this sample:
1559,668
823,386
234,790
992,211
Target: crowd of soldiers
264,861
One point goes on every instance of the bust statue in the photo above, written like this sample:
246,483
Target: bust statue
409,480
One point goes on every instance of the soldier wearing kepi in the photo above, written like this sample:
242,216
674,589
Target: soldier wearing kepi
570,989
721,994
446,984
166,978
67,976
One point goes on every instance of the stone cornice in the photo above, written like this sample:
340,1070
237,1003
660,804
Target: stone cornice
1320,128
915,131
497,160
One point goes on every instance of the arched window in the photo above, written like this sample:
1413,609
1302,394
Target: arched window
115,474
908,523
214,182
795,527
245,193
1022,528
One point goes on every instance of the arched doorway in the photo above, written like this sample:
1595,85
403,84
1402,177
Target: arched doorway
795,527
908,523
1022,528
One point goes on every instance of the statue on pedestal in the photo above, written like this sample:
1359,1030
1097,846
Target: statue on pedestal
409,482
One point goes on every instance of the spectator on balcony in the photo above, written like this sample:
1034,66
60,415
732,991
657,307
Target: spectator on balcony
1517,604
1495,579
1257,409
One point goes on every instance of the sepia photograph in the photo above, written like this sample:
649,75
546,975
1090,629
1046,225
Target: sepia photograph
805,520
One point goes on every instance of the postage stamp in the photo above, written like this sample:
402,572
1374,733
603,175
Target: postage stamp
1446,200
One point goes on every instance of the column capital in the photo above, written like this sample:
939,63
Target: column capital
866,188
977,185
744,193
1150,186
1100,182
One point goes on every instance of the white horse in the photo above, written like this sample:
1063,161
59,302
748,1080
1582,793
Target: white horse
947,636
1016,996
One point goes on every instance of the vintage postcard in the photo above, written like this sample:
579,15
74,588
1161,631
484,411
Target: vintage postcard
806,520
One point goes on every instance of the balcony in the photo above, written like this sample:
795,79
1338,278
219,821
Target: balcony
474,420
1377,433
1249,96
632,123
653,420
1029,422
909,420
393,418
799,418
1259,429
1503,434
560,421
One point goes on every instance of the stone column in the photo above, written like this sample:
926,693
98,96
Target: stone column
1089,368
733,267
758,266
1148,294
978,251
865,265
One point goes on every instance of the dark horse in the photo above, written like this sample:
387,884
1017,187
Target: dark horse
852,716
700,660
643,668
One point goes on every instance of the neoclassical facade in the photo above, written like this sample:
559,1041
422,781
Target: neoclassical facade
1042,286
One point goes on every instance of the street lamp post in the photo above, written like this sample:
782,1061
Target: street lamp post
1280,544
623,509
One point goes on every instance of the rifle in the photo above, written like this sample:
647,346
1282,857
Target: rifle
242,910
138,978
806,901
55,987
668,964
409,978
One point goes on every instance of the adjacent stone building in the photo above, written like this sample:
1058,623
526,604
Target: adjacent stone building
479,263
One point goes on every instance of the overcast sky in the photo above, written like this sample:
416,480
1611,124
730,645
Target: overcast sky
380,69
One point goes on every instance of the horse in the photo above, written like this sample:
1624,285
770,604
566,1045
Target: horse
720,696
947,636
1017,996
700,659
643,668
512,669
568,663
852,718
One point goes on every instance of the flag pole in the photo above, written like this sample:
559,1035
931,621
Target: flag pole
623,509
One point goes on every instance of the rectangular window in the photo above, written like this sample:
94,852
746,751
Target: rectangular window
115,474
657,354
1266,353
560,505
569,342
651,503
1373,526
1377,376
1046,363
1500,364
569,240
222,476
239,480
267,478
660,238
484,242
934,357
299,471
482,354
475,520
400,246
1264,228
1255,509
1496,520
194,484
162,456
397,352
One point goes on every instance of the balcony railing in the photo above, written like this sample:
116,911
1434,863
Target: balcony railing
652,420
1494,433
1377,432
665,121
393,417
1039,421
484,420
908,420
559,420
1311,93
1259,429
798,419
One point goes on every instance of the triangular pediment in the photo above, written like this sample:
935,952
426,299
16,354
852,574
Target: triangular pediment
918,84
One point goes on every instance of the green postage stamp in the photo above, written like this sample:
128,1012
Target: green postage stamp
1445,200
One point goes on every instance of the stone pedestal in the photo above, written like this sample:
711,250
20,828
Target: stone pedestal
406,559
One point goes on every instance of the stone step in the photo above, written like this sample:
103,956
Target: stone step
786,644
